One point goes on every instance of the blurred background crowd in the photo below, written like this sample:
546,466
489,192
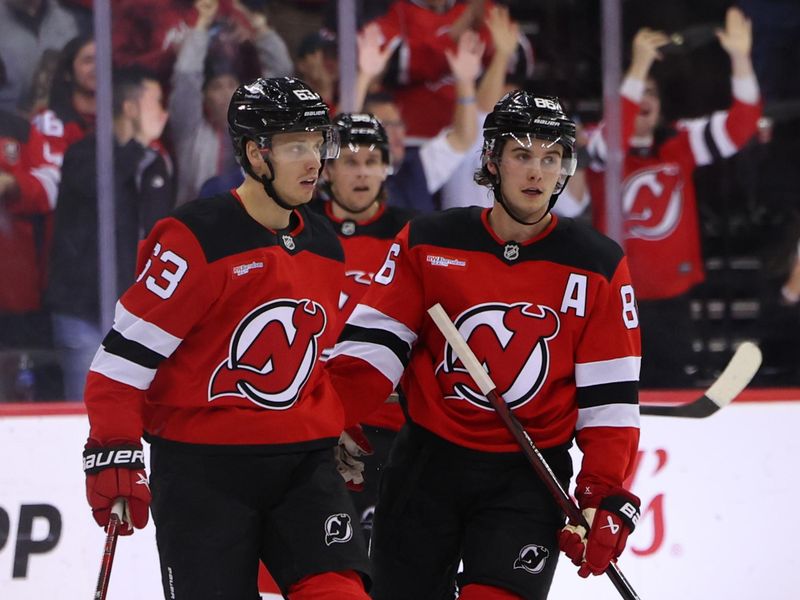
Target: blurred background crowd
710,101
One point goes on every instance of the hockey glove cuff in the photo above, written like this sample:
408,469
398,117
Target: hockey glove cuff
610,524
117,472
353,443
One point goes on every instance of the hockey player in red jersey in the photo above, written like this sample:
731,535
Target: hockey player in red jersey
213,359
547,305
353,186
659,206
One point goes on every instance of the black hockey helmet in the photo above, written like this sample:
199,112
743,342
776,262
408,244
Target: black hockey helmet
520,116
264,107
362,129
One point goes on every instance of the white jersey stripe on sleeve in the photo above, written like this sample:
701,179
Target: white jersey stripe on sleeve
719,133
148,335
696,129
50,178
369,318
377,355
609,415
601,372
122,370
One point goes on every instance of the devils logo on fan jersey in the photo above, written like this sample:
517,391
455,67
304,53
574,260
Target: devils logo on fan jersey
652,201
272,353
510,340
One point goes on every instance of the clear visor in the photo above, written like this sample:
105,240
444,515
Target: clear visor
365,161
322,144
528,150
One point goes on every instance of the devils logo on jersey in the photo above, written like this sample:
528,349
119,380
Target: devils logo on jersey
510,340
272,353
652,201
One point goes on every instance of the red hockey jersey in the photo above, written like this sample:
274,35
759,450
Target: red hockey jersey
424,75
365,246
217,341
553,319
662,234
25,216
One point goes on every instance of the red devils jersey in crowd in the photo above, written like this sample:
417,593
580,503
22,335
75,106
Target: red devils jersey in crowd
365,246
217,341
23,219
553,319
662,235
61,129
424,76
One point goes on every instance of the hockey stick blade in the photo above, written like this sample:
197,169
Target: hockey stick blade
734,378
526,444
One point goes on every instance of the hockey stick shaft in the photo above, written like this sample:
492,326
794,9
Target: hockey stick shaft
112,534
736,376
529,449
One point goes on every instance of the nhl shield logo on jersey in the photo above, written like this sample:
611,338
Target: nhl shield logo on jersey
271,355
511,251
338,529
652,201
510,340
532,558
288,242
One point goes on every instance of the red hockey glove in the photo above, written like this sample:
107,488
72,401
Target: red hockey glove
117,472
610,524
352,444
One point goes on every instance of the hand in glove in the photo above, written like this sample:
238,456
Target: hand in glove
610,524
353,443
117,471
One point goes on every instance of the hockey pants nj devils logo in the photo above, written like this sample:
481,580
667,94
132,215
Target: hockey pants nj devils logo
272,353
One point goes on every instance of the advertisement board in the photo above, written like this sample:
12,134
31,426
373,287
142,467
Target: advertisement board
718,499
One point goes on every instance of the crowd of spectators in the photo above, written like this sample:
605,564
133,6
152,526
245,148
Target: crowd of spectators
429,70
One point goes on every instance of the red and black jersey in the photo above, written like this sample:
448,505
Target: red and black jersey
424,75
553,319
365,246
23,239
217,342
662,233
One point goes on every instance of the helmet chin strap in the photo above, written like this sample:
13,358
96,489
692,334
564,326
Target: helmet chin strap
266,182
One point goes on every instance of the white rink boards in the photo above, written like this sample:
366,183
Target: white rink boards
718,495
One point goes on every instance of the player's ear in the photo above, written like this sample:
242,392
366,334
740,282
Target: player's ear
491,166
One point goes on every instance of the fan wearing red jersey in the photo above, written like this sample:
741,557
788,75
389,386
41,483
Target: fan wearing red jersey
212,358
547,305
659,206
354,201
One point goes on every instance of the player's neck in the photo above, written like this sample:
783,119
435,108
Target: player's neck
507,229
261,207
359,217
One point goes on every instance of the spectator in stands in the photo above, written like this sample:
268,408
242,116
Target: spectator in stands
460,189
420,172
27,193
71,109
143,194
203,82
27,29
426,30
659,206
318,65
149,33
